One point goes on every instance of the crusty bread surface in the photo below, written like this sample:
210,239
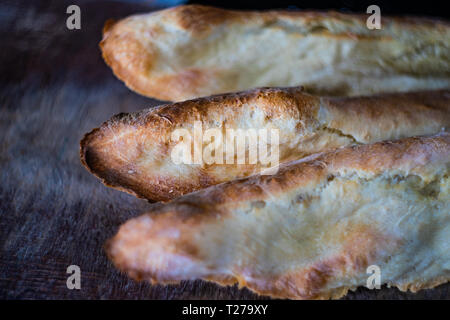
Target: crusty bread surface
191,51
312,230
133,152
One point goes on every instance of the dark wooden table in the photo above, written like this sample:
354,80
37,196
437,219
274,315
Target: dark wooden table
54,87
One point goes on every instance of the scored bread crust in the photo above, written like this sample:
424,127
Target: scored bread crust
191,51
132,152
310,231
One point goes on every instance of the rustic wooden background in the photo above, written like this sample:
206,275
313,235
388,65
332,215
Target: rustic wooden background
54,87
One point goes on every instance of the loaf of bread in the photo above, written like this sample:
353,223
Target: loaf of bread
134,152
192,51
316,229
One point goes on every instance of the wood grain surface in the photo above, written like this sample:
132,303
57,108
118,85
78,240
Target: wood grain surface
54,87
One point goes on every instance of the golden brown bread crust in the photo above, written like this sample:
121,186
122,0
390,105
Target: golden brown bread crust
132,152
190,51
311,230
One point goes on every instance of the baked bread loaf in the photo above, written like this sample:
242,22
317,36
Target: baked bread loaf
133,152
192,51
310,231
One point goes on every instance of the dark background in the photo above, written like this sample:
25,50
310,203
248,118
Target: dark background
392,7
54,87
